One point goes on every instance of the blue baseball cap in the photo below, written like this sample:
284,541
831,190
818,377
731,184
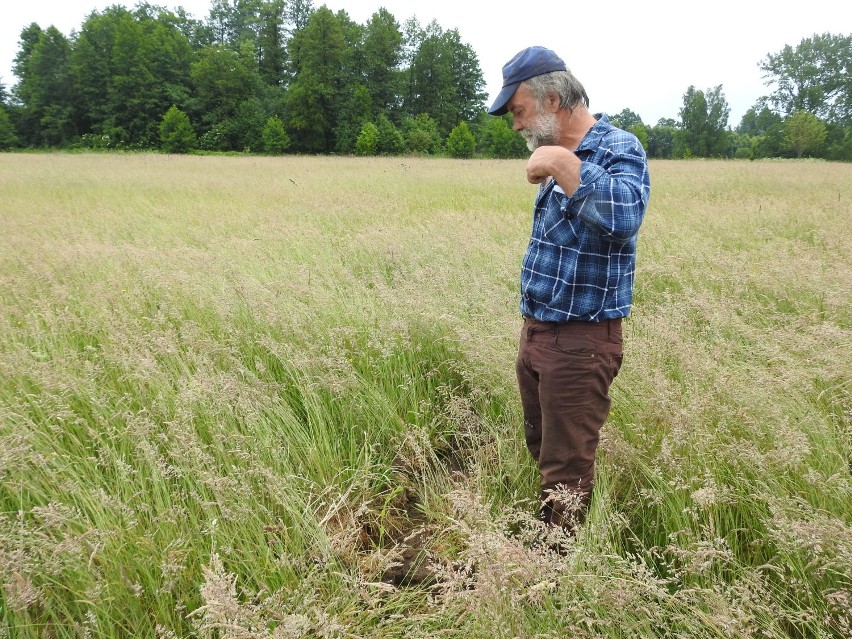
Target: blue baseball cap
528,63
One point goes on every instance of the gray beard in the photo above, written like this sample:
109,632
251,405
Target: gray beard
545,132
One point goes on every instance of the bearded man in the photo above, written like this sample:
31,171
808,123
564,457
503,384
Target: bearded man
577,273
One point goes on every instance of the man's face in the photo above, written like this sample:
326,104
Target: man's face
538,126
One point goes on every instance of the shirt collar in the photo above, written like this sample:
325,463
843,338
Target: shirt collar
593,136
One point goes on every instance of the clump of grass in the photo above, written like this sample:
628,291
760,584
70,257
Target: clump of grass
233,400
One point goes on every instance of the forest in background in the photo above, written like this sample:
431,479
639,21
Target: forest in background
281,76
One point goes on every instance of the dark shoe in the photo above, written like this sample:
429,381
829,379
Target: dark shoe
564,509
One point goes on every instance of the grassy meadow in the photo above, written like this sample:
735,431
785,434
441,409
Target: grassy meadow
246,397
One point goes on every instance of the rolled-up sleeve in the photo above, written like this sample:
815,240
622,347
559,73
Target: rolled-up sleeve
613,196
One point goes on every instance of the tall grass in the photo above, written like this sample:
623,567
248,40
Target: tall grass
274,397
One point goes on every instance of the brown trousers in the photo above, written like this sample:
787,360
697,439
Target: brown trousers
564,373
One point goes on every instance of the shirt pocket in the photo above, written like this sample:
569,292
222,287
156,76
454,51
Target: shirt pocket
559,226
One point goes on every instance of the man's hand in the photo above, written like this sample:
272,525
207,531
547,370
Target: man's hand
556,161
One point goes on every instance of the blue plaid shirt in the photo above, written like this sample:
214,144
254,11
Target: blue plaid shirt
581,258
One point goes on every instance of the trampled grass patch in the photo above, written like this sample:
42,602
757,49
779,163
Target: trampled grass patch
274,397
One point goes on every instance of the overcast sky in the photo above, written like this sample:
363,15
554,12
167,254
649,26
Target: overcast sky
640,55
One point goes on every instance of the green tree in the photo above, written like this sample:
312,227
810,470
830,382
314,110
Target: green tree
497,139
297,14
45,89
390,140
765,131
642,133
272,42
27,118
704,120
813,77
152,60
30,35
353,112
368,140
625,119
412,36
176,132
661,139
420,134
468,78
318,54
381,54
8,137
460,142
758,120
445,79
129,68
804,133
92,66
235,23
743,147
245,127
223,79
275,138
260,25
839,143
197,33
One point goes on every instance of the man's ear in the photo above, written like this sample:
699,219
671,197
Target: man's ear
553,101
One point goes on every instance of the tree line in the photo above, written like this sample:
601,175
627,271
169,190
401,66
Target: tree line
276,76
808,113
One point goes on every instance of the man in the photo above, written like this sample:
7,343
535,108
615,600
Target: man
577,273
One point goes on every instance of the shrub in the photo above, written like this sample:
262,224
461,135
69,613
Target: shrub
421,134
368,140
275,138
498,140
176,133
461,143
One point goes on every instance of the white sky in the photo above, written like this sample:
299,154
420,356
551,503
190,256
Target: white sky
641,55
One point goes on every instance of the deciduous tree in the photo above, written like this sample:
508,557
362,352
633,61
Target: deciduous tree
129,68
704,120
765,130
223,79
813,76
804,133
445,80
626,119
661,139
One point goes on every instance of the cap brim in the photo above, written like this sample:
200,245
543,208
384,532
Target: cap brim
506,93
